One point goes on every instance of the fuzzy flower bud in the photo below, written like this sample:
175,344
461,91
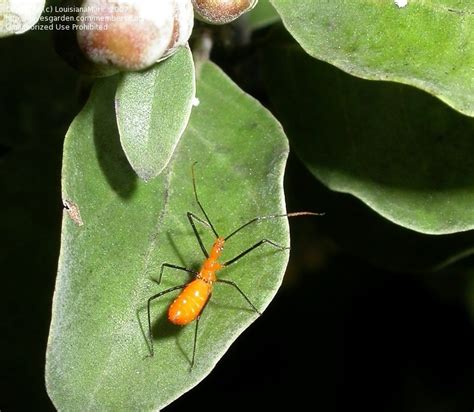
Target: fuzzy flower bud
133,34
222,11
18,16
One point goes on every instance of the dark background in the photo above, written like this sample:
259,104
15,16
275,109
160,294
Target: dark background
346,330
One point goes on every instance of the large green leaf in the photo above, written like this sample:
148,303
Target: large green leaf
428,44
153,109
359,231
401,151
97,351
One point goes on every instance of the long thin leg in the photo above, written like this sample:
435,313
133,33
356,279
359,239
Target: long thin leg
259,218
199,203
230,282
192,216
258,244
164,292
169,265
196,330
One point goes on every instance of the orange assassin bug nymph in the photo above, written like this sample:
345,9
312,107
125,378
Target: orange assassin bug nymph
192,300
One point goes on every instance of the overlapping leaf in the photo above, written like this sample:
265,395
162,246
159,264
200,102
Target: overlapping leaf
402,152
153,109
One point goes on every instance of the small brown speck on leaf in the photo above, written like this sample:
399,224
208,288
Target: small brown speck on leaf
73,212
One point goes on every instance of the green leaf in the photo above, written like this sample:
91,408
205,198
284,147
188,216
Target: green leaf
358,230
262,15
427,44
97,357
399,150
153,109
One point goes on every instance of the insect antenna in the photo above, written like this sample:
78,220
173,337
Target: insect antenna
199,203
259,218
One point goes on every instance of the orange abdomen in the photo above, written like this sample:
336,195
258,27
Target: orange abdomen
190,302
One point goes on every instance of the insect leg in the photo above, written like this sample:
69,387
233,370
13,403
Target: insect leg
230,282
199,203
169,265
164,292
258,244
196,331
192,216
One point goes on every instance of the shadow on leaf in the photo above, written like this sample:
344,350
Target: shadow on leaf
115,166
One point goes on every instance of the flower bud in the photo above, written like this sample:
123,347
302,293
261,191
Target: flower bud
18,16
133,34
182,26
66,45
222,11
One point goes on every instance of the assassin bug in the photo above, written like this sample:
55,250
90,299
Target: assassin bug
192,300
